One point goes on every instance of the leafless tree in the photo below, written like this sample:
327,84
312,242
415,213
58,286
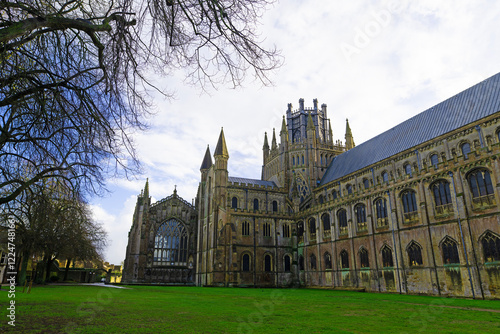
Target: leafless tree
75,77
52,223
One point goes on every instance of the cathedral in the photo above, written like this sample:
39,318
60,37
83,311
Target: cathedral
413,210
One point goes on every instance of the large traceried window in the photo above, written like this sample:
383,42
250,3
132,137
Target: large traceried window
450,251
360,213
442,197
414,254
481,188
409,206
491,247
171,244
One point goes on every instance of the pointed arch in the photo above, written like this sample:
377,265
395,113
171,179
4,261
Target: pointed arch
328,260
387,259
344,259
414,251
490,243
364,260
171,244
449,250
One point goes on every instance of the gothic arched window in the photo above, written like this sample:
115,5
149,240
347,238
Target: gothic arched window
491,247
480,183
381,210
234,203
360,212
171,244
256,204
441,192
366,183
312,227
342,219
328,260
387,257
325,218
363,258
409,205
312,260
300,229
450,251
348,187
344,259
301,262
414,254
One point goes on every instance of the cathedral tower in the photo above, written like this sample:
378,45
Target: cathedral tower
306,148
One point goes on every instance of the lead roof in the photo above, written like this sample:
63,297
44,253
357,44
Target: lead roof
474,103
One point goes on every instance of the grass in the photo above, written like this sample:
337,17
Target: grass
154,309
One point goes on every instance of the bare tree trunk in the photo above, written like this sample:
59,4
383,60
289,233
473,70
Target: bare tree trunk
24,266
68,262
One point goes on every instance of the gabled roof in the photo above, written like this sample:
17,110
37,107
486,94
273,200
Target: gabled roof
252,181
472,104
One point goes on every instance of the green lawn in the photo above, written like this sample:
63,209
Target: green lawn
143,309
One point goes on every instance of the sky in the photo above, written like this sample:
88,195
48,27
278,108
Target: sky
376,63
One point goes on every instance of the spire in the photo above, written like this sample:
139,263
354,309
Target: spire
221,148
207,160
266,144
284,129
310,123
331,133
349,140
146,188
274,146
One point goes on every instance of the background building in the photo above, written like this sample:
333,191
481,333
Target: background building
413,210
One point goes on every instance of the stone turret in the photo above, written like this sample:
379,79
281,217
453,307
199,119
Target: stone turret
274,145
349,140
221,175
265,148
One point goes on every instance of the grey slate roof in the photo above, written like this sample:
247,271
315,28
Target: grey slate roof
466,107
252,181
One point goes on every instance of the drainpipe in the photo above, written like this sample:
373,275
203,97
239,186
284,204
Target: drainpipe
394,242
461,233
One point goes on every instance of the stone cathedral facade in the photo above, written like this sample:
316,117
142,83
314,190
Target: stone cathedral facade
413,210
